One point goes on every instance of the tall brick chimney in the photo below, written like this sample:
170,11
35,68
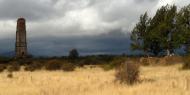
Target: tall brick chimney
21,44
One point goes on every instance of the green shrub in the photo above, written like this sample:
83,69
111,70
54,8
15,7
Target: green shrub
127,73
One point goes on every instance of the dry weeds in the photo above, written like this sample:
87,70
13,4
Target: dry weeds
157,80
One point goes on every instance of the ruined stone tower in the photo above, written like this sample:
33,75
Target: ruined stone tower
21,45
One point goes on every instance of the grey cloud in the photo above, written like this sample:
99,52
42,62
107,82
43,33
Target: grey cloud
142,1
45,9
128,11
108,11
30,9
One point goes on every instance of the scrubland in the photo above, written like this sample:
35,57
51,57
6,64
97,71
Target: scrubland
92,80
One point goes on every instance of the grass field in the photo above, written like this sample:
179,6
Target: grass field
158,80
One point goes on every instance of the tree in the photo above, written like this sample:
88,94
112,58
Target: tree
183,23
158,34
162,29
139,32
73,54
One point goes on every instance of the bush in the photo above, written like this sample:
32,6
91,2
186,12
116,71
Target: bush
107,67
68,67
33,66
23,61
173,60
144,61
2,67
10,75
89,61
113,64
5,59
127,73
13,67
53,65
186,64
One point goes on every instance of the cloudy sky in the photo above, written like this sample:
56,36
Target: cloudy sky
92,26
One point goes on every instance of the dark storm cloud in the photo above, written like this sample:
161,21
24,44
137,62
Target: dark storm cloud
110,43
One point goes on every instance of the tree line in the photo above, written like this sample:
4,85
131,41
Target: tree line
164,33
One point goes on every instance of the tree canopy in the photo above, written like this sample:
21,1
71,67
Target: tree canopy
163,33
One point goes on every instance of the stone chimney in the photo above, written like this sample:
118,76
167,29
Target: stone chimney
21,44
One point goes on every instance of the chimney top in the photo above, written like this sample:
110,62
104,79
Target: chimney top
21,18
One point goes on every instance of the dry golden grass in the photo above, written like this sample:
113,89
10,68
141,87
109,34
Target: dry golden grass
159,80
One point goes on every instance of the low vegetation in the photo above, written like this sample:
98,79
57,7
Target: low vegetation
127,72
153,80
53,65
13,67
186,64
110,75
10,75
4,60
62,63
107,62
33,66
2,67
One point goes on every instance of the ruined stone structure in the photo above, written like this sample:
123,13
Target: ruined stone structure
21,44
